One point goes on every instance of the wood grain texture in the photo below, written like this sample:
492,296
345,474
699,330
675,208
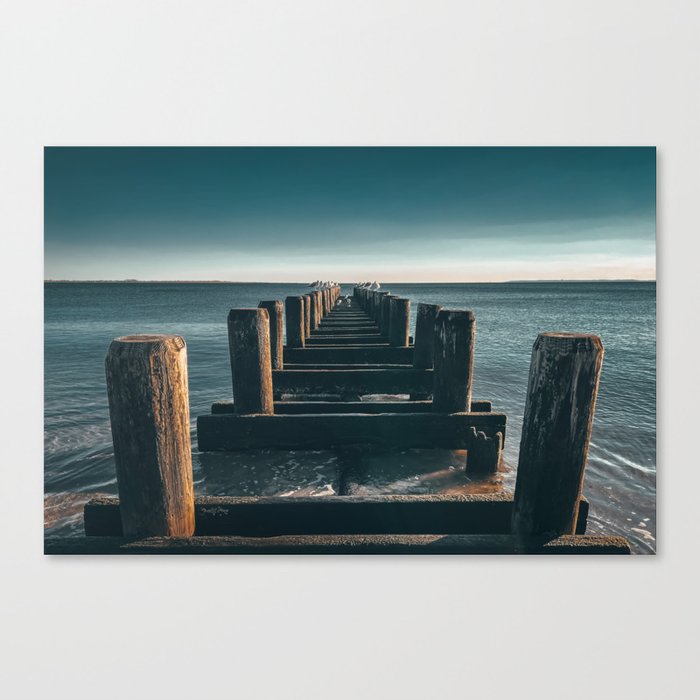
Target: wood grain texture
251,365
426,315
453,360
561,395
275,310
150,419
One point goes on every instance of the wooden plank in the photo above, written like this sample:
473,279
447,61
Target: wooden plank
300,407
236,432
341,544
252,516
349,355
357,381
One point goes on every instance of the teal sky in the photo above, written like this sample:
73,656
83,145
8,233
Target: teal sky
390,214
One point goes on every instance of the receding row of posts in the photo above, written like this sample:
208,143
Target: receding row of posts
149,407
391,313
303,314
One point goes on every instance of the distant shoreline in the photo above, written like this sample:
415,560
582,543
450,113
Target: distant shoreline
550,281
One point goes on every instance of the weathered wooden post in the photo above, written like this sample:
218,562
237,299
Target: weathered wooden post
294,321
150,418
385,321
319,306
398,326
561,395
453,361
424,342
275,312
313,307
307,315
251,367
483,452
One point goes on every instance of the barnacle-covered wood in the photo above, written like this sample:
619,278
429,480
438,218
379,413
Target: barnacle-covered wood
453,360
561,396
275,310
251,367
150,419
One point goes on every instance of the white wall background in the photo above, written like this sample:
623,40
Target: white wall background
513,73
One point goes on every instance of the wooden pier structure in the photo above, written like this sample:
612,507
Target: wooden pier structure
308,393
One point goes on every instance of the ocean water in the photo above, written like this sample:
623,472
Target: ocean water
81,319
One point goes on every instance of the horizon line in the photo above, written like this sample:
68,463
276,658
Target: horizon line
183,281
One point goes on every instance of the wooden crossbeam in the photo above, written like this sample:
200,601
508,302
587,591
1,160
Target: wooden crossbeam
357,381
320,407
233,432
342,544
253,516
349,355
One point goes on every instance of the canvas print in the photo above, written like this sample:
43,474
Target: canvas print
377,350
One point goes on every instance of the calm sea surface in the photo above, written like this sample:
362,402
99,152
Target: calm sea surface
82,319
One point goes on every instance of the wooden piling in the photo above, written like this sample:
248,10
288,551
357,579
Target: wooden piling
319,306
150,419
275,311
399,323
453,360
483,451
307,315
561,395
313,308
385,314
425,335
251,366
294,321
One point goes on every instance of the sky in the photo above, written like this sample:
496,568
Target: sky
349,214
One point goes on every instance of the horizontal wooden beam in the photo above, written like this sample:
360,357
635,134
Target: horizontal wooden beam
322,340
349,355
293,365
341,544
301,407
357,381
363,331
251,516
240,432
